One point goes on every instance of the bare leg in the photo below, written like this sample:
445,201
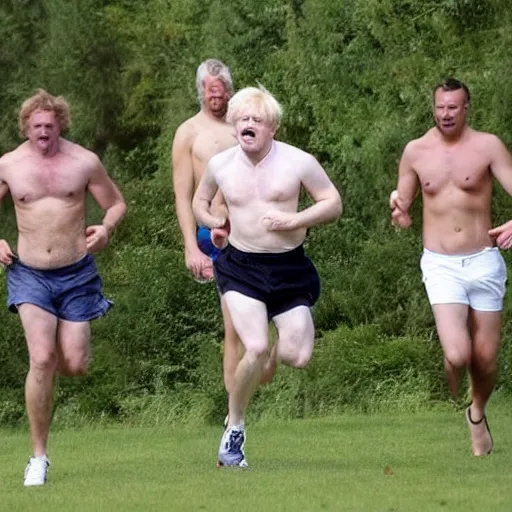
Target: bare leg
73,348
232,349
486,335
296,336
453,331
250,321
40,332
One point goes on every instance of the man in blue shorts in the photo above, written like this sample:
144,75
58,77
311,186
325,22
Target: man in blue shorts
52,279
264,273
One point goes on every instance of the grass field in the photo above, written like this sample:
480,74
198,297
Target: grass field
388,463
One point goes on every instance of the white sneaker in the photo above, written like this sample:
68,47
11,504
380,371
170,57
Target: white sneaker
36,470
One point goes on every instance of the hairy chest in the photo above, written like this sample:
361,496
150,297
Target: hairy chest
37,180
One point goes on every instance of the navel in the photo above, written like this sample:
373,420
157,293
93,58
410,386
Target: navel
457,229
427,184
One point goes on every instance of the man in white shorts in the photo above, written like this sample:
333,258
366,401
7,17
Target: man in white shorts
263,274
463,271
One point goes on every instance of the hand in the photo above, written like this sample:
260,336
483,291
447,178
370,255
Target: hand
276,220
199,264
503,235
6,254
218,222
219,236
399,218
96,238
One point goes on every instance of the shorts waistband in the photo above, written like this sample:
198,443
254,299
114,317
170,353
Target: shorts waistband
268,256
72,267
460,257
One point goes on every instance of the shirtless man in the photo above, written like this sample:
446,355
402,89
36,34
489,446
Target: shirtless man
52,280
195,142
263,273
463,272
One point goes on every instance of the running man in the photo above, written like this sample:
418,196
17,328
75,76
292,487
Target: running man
263,274
52,280
463,271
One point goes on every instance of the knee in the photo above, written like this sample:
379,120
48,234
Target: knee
294,356
43,363
485,362
73,367
457,358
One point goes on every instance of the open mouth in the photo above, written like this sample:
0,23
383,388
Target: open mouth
248,133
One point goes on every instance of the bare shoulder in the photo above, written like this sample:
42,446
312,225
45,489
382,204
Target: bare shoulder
486,140
416,146
223,158
85,156
12,158
298,156
187,130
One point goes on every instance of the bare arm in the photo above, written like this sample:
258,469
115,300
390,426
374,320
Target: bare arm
3,189
501,168
109,198
328,205
501,163
202,202
183,184
402,198
6,254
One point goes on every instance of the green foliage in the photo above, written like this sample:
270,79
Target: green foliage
355,79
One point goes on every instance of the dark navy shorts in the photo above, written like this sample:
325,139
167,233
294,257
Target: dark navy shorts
70,293
282,281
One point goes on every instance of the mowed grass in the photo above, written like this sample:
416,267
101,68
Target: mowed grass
380,462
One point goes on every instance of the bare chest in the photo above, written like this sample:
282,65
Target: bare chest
209,142
462,168
38,180
244,186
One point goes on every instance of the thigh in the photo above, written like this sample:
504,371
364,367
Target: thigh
296,331
250,320
73,340
485,334
452,327
40,329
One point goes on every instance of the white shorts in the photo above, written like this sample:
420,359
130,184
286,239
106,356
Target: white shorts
477,280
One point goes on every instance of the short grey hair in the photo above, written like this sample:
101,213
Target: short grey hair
215,68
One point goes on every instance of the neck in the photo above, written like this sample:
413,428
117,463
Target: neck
452,138
256,158
46,152
218,116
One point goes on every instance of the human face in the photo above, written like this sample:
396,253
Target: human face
450,109
43,130
215,96
254,132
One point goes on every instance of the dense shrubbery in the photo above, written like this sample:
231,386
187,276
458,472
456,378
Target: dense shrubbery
355,79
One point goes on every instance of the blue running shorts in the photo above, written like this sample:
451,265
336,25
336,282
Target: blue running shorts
72,293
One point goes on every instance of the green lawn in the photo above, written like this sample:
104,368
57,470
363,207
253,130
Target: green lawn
406,462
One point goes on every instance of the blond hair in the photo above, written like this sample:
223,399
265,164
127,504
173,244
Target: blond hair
216,69
260,97
44,101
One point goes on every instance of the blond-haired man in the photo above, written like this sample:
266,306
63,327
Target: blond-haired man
263,273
